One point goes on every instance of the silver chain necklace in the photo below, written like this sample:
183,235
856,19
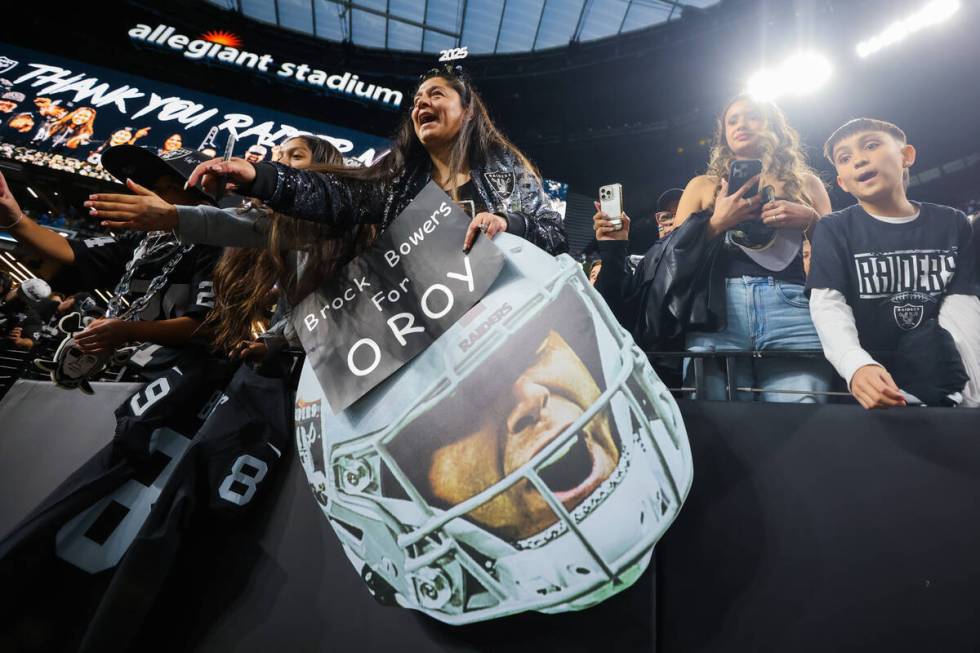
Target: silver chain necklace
152,245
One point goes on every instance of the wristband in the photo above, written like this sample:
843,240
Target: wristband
14,223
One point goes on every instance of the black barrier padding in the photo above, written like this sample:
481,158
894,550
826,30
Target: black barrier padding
282,583
809,528
825,528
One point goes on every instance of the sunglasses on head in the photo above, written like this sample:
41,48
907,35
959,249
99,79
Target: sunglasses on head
451,71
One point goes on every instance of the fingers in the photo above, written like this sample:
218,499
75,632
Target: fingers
114,215
212,166
136,188
745,187
129,226
774,220
495,227
114,198
772,209
723,188
864,399
877,389
889,388
471,233
603,225
89,335
94,206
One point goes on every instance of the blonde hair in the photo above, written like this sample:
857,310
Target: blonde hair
782,155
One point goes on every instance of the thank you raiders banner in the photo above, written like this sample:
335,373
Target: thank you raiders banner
389,304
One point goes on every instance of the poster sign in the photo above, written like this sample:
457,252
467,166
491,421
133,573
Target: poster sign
528,459
391,303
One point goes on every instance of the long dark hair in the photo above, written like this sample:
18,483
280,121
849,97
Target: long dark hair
244,277
239,303
478,142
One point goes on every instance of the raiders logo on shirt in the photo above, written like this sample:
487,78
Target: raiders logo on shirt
502,183
908,316
909,308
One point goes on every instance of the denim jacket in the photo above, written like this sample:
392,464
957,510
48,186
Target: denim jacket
506,187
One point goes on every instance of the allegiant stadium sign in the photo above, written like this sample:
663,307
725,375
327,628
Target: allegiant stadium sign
221,47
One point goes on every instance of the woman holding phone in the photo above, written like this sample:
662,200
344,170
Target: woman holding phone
760,265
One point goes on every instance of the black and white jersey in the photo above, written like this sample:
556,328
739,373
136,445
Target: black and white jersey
101,261
894,276
85,567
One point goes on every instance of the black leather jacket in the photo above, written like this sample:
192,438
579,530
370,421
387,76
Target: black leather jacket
674,289
504,185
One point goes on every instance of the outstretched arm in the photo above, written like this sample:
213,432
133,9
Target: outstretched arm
315,196
44,241
109,334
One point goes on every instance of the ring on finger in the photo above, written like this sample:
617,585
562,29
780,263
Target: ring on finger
484,226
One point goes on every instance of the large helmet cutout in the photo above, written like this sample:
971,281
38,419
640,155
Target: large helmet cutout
528,460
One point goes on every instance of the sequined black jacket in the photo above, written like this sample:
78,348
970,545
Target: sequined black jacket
505,186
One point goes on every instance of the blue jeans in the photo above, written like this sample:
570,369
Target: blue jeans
764,313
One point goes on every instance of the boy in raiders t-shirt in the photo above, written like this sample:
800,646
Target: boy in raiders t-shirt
885,267
173,315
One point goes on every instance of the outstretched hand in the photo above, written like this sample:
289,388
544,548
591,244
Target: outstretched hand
237,175
144,210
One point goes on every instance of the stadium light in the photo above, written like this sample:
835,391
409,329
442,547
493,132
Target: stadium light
933,13
799,75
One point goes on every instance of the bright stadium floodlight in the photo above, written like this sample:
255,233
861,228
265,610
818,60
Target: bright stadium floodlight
933,13
799,75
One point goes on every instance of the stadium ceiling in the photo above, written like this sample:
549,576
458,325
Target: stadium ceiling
483,26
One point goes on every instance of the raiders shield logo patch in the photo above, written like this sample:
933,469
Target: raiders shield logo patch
6,63
309,444
908,316
502,183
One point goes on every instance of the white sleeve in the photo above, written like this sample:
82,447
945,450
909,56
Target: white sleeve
960,315
834,321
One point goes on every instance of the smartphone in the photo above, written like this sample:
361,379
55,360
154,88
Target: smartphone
741,172
611,203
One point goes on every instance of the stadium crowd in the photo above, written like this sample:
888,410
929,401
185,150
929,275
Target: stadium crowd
748,257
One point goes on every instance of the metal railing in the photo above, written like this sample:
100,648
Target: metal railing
730,358
13,363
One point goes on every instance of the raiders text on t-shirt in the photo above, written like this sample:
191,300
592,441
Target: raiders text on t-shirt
894,275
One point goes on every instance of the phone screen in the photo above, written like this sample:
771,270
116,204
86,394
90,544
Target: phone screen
741,172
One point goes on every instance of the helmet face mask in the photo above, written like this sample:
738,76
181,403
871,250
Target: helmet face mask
528,460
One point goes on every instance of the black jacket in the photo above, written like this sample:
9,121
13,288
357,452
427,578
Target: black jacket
675,287
504,185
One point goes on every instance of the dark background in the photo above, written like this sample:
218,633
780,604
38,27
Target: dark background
808,528
638,108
